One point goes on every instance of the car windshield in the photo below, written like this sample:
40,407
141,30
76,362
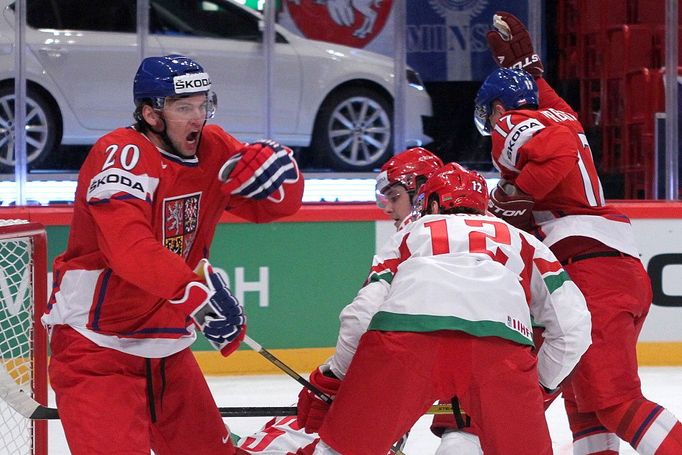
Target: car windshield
209,18
198,18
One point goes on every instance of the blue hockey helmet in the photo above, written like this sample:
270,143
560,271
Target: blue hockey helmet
513,88
171,76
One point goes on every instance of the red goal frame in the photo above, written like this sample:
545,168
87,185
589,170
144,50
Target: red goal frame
39,353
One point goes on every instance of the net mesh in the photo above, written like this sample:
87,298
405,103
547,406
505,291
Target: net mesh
16,326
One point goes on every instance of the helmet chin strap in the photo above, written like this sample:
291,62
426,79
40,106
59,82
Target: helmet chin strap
168,143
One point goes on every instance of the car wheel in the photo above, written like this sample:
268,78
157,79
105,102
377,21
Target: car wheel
354,130
41,128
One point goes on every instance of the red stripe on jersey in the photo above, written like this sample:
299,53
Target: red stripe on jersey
392,264
268,434
546,266
527,252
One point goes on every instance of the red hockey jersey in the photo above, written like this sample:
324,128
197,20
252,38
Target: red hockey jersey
143,218
545,153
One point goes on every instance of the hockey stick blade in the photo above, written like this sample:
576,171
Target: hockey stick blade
21,401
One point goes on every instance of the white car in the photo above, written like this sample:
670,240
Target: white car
83,54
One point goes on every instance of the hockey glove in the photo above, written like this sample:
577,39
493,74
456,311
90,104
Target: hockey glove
512,46
549,395
513,206
259,170
311,408
214,310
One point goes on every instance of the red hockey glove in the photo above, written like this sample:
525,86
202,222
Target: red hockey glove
214,310
311,408
513,206
512,46
549,395
259,170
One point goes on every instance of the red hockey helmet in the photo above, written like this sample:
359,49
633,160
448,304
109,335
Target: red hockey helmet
406,168
455,187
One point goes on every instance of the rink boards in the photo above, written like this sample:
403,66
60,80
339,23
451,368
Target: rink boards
295,276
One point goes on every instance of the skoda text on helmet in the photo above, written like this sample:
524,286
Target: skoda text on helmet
454,187
511,87
158,78
407,168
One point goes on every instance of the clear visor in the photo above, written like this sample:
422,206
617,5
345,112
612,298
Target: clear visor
183,108
382,183
482,119
391,195
382,200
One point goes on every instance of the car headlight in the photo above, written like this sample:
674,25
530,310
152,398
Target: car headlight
414,79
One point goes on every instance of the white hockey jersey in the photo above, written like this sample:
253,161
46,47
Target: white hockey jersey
475,274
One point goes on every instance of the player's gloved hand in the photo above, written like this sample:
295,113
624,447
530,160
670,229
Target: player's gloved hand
259,170
513,206
512,46
549,395
214,309
311,408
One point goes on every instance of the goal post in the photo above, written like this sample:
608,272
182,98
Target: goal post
23,340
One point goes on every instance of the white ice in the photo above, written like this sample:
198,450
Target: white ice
659,384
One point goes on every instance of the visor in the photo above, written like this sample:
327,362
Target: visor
382,183
482,119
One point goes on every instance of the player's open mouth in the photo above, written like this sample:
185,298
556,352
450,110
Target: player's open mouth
191,137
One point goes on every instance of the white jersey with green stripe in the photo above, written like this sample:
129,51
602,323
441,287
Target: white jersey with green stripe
476,274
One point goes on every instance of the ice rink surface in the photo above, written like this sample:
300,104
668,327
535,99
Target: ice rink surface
660,384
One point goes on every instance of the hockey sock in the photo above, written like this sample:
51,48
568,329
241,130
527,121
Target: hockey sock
648,427
590,437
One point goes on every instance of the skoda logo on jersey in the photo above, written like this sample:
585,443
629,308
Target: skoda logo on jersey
349,22
191,83
113,181
519,136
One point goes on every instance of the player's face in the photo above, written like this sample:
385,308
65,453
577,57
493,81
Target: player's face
185,119
398,204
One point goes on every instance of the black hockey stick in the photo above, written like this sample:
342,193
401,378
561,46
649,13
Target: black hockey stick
22,402
284,367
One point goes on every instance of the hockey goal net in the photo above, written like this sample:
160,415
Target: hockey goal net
23,341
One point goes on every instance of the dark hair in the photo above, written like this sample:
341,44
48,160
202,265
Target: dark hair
141,124
419,181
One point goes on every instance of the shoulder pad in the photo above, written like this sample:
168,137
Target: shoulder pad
520,130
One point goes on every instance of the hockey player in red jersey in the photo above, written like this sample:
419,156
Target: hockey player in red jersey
550,187
134,284
450,300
